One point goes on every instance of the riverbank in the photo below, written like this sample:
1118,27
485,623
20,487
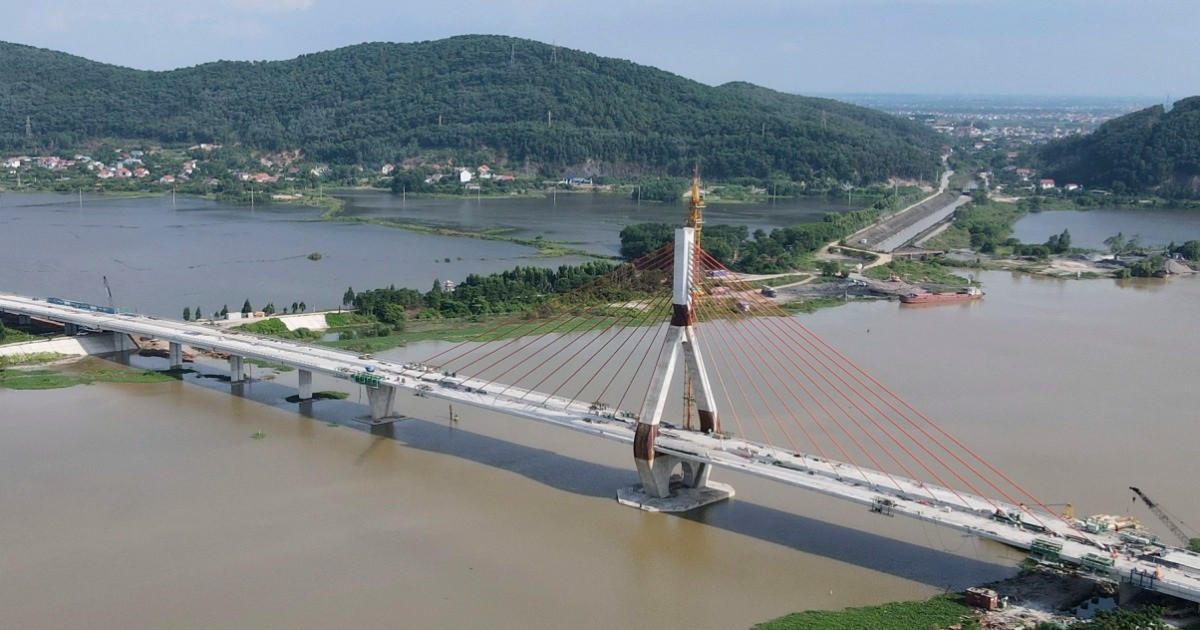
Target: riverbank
943,611
545,248
1039,596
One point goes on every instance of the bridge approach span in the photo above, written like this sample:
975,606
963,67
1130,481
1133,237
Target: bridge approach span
1174,571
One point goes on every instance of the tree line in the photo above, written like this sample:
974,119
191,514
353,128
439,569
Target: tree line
761,252
522,103
505,292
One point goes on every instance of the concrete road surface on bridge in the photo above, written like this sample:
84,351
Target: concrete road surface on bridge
1177,571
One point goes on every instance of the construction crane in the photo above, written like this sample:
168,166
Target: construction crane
1162,516
109,290
1068,511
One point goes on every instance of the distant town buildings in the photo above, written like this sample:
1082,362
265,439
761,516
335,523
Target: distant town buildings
277,166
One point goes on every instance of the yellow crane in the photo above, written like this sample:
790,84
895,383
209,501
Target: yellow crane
1068,511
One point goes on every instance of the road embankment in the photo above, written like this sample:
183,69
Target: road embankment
895,231
65,346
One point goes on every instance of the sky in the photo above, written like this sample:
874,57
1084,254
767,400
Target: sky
1134,48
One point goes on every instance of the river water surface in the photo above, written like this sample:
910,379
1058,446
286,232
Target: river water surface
151,505
1089,228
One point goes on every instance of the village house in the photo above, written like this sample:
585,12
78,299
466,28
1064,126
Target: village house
1046,184
485,172
387,168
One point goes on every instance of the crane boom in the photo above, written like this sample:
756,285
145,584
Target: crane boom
1162,516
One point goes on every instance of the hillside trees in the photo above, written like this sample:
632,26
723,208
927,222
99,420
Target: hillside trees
464,96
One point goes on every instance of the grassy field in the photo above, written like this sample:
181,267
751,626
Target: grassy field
267,365
939,612
347,319
544,247
812,305
490,328
274,327
12,335
55,379
30,359
996,218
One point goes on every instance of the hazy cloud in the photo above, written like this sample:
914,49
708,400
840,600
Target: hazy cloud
807,46
272,5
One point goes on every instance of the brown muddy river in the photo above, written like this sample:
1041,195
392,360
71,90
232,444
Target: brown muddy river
152,506
135,506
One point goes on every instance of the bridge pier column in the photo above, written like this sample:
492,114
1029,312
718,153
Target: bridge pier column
23,320
122,342
1126,593
175,354
306,385
236,374
382,400
71,329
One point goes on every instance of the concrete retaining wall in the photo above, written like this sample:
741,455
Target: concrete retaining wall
71,346
311,321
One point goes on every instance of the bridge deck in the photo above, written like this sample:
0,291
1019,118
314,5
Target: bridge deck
1179,569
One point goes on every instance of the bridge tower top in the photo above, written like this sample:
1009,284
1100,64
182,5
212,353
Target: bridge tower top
696,206
656,468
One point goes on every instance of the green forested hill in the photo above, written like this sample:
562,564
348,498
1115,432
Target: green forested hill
477,96
1148,150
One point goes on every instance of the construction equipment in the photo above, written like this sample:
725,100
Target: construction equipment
1068,511
1162,516
110,297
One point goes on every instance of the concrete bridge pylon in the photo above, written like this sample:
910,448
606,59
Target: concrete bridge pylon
661,489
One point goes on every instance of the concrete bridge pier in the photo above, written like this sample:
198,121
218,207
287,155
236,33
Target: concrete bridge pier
382,400
23,320
71,329
236,373
175,353
123,342
1127,592
306,392
661,490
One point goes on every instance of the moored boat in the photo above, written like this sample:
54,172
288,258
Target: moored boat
969,293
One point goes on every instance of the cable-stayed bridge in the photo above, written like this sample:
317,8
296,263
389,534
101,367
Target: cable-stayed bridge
698,371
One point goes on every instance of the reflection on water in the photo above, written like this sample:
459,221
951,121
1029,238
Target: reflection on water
1089,228
591,221
165,512
161,255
